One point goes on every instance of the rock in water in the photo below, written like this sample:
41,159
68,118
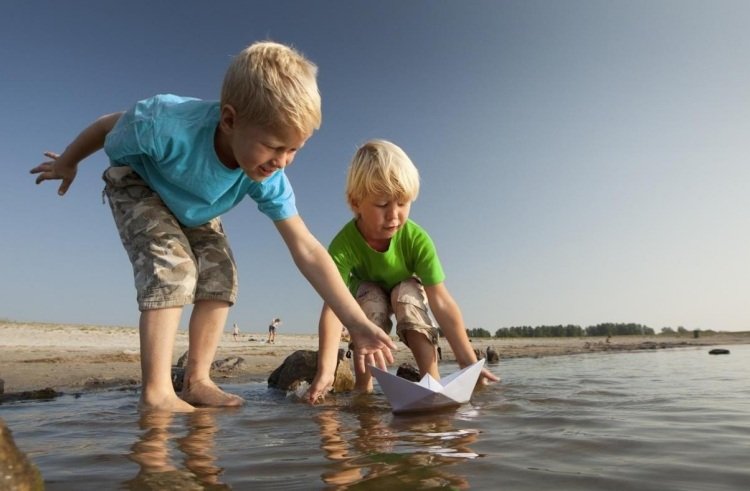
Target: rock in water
409,372
301,366
492,355
16,470
719,351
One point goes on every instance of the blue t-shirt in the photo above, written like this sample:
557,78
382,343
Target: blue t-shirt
169,141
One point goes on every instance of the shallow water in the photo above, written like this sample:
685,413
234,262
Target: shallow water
661,420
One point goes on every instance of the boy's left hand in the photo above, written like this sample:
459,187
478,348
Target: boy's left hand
487,377
320,386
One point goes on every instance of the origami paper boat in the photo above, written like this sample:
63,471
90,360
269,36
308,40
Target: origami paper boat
427,394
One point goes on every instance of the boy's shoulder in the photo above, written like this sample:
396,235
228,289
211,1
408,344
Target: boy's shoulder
172,105
413,227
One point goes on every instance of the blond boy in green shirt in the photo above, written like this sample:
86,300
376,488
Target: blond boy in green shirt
391,267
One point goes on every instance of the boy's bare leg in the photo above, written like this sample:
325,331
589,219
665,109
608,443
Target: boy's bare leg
206,325
157,332
425,354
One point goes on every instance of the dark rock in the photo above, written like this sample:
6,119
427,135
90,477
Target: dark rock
479,353
178,375
301,366
108,383
718,351
492,355
228,364
2,386
182,361
36,395
409,372
16,470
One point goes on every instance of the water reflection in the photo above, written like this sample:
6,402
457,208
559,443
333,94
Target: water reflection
369,444
154,448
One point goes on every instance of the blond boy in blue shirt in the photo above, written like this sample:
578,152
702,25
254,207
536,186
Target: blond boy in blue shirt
177,164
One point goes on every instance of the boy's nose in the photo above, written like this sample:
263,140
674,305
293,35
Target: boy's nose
282,159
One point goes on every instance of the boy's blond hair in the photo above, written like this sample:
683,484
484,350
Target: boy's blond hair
273,86
381,168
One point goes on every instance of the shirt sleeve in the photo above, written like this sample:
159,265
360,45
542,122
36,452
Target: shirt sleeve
133,134
275,197
426,261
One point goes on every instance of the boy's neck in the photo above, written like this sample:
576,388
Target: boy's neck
222,149
378,245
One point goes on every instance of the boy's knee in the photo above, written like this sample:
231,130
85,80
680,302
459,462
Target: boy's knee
409,302
409,332
374,303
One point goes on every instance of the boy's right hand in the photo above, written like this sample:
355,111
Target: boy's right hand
57,168
373,347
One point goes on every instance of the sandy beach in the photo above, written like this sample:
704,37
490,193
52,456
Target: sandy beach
75,358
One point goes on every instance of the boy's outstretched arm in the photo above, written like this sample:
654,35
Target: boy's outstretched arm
65,165
312,259
329,337
449,318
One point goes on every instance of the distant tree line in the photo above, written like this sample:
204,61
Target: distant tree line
611,329
570,330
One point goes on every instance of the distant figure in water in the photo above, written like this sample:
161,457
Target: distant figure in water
235,332
276,322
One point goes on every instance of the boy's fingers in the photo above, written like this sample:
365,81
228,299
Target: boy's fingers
386,355
359,362
489,376
388,341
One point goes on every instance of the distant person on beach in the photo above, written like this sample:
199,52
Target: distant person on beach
236,332
177,164
391,267
276,322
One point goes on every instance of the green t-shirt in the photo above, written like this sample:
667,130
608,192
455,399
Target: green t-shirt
411,253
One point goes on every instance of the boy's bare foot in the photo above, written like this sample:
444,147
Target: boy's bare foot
207,393
170,403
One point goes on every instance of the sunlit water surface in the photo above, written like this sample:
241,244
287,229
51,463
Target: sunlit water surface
655,420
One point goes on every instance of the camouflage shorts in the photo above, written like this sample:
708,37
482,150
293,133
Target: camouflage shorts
173,265
408,302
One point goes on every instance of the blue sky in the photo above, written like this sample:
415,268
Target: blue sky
581,161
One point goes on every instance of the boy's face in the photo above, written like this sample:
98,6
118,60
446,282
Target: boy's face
257,150
379,218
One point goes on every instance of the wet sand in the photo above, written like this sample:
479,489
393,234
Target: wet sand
74,358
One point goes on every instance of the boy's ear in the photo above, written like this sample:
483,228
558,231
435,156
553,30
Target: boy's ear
227,118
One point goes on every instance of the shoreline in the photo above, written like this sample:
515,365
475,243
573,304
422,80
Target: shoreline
79,358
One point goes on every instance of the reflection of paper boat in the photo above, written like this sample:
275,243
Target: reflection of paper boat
405,395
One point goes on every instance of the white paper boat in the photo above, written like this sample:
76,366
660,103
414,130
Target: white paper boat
406,396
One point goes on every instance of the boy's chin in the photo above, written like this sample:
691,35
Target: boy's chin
257,177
